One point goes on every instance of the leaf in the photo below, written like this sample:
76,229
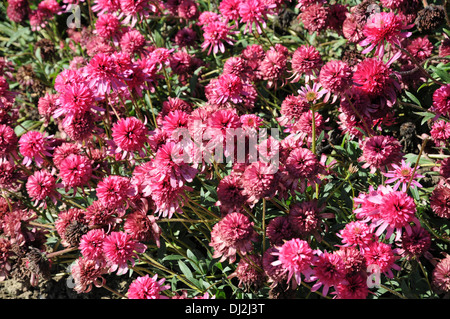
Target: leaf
185,270
413,98
443,74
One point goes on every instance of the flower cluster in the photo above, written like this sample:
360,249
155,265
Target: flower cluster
280,147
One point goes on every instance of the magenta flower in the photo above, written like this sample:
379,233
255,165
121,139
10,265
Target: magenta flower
40,185
383,27
233,234
382,255
91,245
356,233
130,135
215,34
401,175
75,170
114,190
296,257
254,13
147,287
34,145
119,249
328,271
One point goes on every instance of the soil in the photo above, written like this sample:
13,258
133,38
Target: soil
59,289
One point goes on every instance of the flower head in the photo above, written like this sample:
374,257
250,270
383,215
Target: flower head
34,145
146,287
114,190
75,170
402,175
130,135
40,185
296,257
119,249
234,233
441,275
383,27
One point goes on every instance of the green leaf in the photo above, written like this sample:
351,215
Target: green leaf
443,74
413,98
185,270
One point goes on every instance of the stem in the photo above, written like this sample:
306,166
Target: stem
264,225
313,146
417,162
393,292
61,252
114,292
417,63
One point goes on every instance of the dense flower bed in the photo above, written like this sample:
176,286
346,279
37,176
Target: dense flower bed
227,149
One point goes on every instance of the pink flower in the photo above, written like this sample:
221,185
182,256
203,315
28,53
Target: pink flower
401,175
441,100
328,270
296,258
441,275
259,181
101,74
207,17
64,150
8,140
107,25
230,194
336,76
99,215
306,60
133,42
41,185
292,107
301,166
130,135
315,17
147,287
47,105
229,9
249,276
381,255
119,249
280,229
66,79
253,13
227,88
234,233
373,77
415,244
440,132
114,190
34,145
440,201
354,287
85,273
174,121
304,217
75,170
142,227
74,100
273,67
356,233
67,218
381,27
380,151
91,245
215,34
